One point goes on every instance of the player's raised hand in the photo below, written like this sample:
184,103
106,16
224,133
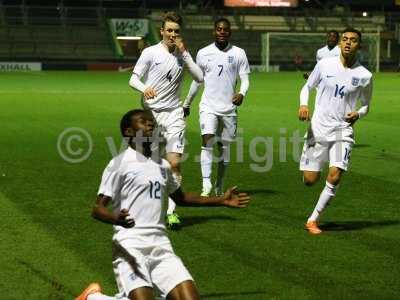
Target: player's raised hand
149,93
233,198
352,117
237,99
304,113
123,220
180,44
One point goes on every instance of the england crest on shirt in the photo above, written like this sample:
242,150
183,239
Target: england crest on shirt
230,59
355,81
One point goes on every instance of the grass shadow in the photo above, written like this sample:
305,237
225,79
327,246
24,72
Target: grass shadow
58,289
356,225
260,191
190,221
241,295
362,145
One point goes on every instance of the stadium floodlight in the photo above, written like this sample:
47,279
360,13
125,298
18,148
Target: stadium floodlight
130,38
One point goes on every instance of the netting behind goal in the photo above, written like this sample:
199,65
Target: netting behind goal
297,51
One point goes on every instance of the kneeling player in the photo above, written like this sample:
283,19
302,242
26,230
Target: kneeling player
138,185
341,81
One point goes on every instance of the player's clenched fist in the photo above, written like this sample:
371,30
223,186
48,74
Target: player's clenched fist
122,219
304,113
352,117
180,44
237,99
149,93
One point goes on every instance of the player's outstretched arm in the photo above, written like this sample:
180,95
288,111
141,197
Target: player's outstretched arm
231,198
101,213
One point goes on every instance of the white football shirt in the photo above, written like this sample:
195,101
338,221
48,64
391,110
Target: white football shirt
140,185
339,88
324,52
163,71
221,69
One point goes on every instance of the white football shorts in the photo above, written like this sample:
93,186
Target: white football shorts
156,267
170,125
223,127
314,157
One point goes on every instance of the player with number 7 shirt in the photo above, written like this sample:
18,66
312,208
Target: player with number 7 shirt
222,64
341,81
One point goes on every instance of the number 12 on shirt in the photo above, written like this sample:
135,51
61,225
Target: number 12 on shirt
155,190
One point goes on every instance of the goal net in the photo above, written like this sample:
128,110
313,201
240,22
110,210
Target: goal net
285,51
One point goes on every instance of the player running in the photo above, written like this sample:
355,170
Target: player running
341,82
330,50
137,187
158,75
222,64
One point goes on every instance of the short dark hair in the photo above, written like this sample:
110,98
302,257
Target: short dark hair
351,29
219,20
172,16
335,32
126,121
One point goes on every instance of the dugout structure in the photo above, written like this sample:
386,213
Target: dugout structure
282,51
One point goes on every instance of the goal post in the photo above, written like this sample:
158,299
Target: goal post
288,51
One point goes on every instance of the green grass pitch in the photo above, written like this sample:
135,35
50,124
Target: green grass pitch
51,248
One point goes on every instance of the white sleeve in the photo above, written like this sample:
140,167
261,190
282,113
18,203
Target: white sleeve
193,68
110,181
244,84
365,99
135,83
313,80
141,68
194,88
244,67
143,63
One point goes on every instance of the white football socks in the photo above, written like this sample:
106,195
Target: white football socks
222,166
171,206
171,203
206,158
99,296
326,195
